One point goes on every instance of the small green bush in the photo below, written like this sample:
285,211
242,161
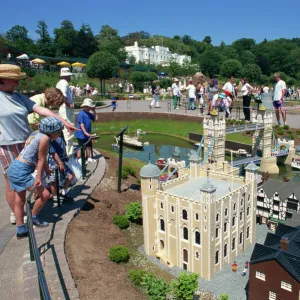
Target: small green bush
118,254
121,221
243,122
136,276
130,170
124,174
277,126
138,181
298,131
280,131
156,288
133,211
289,131
286,127
291,136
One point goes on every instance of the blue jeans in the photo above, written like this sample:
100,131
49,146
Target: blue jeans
191,104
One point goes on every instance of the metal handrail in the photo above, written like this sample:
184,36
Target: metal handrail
33,248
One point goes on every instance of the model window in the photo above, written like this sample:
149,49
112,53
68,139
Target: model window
242,201
248,211
272,296
248,232
225,250
233,221
217,257
197,216
286,286
249,197
225,226
233,244
217,217
217,232
161,205
185,233
241,216
162,225
172,208
241,238
184,214
197,255
197,237
185,255
234,206
226,211
260,275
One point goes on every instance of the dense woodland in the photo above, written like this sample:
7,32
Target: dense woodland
244,57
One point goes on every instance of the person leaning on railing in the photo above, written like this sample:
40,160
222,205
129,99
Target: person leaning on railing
14,126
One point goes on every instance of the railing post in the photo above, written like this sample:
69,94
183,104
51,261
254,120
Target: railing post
29,236
57,186
169,105
41,290
83,162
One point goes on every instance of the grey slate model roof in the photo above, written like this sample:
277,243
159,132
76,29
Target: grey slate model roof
149,171
290,259
284,189
208,187
294,221
251,167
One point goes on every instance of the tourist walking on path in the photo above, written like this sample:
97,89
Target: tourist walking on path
246,91
229,87
66,111
20,172
14,126
209,95
155,89
278,98
175,93
192,95
52,97
84,124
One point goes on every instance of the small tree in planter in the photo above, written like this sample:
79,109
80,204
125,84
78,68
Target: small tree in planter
134,211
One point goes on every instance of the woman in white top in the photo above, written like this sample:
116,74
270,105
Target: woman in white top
246,90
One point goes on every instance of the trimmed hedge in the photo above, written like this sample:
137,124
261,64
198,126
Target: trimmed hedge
118,254
121,221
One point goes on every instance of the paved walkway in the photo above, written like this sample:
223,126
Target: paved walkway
18,275
293,120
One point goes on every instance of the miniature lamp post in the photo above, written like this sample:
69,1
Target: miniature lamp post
121,134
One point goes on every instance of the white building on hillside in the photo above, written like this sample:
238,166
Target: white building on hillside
156,55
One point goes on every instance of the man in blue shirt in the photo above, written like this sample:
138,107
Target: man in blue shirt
84,125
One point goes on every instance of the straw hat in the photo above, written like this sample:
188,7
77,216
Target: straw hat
11,72
88,102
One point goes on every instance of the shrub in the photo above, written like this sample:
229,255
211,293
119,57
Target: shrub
185,286
156,288
277,126
124,174
138,181
130,170
298,131
280,131
286,127
121,221
243,122
118,254
289,131
133,211
136,276
291,136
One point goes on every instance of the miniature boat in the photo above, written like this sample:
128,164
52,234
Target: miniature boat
296,163
131,142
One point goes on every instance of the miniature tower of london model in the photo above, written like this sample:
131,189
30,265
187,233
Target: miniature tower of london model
202,220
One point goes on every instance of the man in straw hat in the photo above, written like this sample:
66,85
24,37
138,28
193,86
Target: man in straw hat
66,111
14,126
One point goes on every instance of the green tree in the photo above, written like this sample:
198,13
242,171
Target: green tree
189,69
175,68
45,42
133,211
185,286
65,39
138,80
246,57
291,64
109,40
229,52
18,36
86,43
207,39
102,65
253,73
243,44
231,67
210,62
156,288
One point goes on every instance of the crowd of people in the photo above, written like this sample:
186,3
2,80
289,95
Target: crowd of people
208,94
34,141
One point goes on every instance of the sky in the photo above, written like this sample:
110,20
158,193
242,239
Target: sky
222,20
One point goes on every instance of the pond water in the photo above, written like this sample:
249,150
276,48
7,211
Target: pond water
164,146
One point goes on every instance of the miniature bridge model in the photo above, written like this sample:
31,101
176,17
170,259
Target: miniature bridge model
242,128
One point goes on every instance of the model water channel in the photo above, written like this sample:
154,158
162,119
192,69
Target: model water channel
164,146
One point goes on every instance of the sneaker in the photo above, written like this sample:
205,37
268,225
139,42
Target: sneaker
91,160
38,223
23,233
285,123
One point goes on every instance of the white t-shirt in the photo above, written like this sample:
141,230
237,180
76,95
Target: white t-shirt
63,85
175,89
215,99
192,90
228,86
279,87
246,88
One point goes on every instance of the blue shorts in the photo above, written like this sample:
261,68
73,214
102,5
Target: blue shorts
20,176
276,104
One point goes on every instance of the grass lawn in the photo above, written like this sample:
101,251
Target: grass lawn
170,127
